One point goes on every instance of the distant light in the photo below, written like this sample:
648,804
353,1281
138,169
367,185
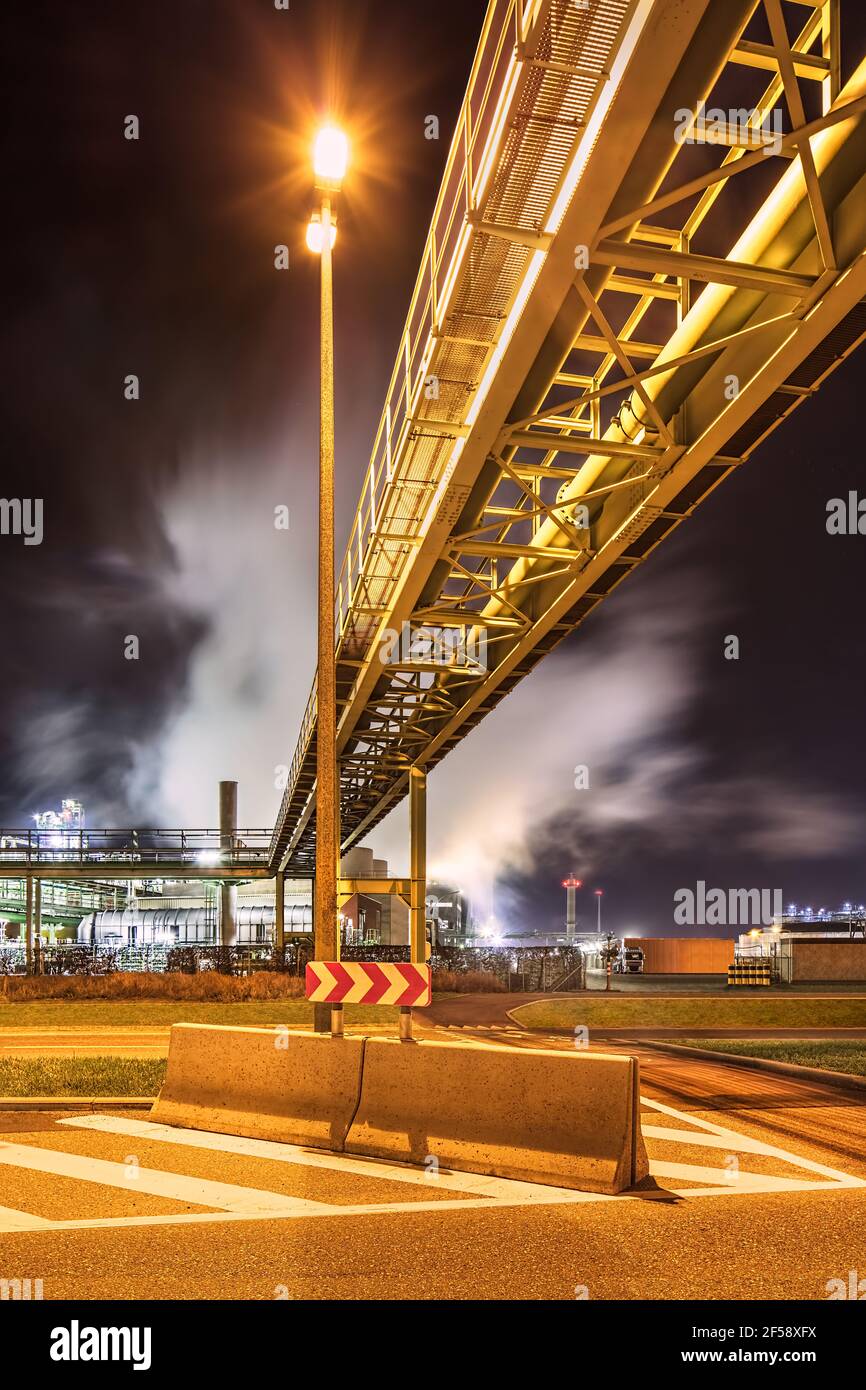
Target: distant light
599,892
331,155
208,856
315,238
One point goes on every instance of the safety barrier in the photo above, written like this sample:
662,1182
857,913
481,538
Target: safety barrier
567,1118
263,1083
750,970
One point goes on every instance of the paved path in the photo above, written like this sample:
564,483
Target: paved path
758,1190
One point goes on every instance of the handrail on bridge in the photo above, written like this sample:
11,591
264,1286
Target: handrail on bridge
395,500
201,847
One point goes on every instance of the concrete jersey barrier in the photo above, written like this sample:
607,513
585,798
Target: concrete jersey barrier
262,1083
569,1118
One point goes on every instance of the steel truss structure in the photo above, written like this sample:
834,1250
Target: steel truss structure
649,249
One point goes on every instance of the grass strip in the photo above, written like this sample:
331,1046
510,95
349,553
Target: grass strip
161,1013
844,1056
81,1076
708,1011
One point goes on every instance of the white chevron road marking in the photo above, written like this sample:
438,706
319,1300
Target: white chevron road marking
476,1192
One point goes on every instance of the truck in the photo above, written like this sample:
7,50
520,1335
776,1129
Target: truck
632,961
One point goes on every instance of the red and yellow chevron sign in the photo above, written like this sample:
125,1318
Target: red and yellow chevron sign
368,982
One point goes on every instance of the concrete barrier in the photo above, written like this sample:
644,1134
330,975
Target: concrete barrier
568,1118
300,1088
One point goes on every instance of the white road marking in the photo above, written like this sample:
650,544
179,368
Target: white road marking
733,1140
475,1183
407,1208
696,1137
173,1186
249,1204
747,1182
12,1220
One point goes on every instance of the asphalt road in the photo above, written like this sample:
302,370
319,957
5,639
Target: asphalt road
758,1190
463,1014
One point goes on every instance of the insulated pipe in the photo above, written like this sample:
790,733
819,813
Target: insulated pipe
694,79
781,236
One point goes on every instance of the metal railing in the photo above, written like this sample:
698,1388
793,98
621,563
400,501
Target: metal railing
62,899
112,849
466,287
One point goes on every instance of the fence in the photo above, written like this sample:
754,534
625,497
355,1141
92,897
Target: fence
519,969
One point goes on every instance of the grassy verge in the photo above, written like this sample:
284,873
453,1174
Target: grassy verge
147,1013
847,1056
209,986
81,1076
716,1011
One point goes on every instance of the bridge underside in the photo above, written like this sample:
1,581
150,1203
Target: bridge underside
609,321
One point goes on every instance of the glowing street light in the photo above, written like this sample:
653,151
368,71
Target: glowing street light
330,156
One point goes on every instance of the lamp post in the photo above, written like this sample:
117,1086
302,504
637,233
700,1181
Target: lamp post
330,158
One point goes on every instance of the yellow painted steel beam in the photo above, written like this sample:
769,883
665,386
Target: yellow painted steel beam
567,444
708,269
761,55
592,342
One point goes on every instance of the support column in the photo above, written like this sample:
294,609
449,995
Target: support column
228,891
327,794
279,913
418,876
337,1021
28,925
418,863
37,926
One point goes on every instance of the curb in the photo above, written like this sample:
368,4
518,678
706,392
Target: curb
76,1102
843,1080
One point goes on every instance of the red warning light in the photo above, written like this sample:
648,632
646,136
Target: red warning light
572,882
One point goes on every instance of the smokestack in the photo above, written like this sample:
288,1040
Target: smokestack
228,891
571,885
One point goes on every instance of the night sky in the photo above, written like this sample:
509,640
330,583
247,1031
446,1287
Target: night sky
156,257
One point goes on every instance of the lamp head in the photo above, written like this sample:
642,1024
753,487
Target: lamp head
330,157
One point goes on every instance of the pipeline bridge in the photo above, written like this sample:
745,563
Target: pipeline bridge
648,250
646,253
135,854
62,904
